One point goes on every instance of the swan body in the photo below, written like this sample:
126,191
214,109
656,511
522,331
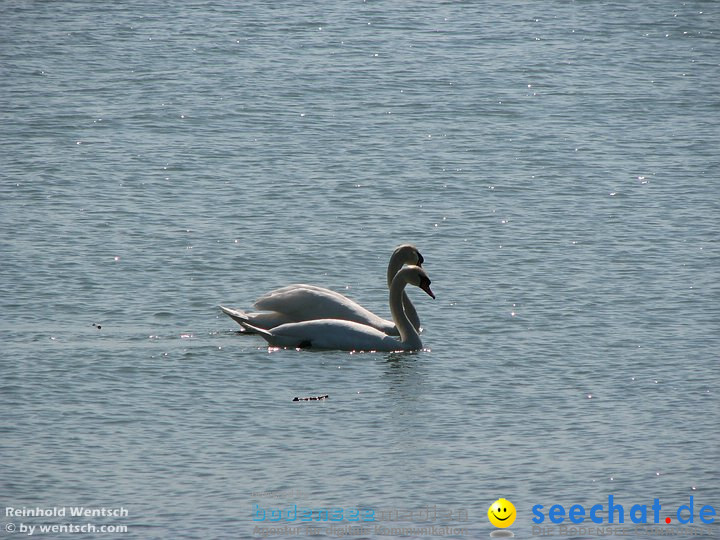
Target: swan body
301,302
350,335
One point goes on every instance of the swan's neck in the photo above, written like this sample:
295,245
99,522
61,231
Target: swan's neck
408,335
411,312
393,268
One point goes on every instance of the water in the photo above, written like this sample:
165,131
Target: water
555,162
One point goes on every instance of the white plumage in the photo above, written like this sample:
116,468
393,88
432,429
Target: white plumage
350,335
300,302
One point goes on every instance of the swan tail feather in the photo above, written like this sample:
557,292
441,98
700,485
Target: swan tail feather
243,320
235,314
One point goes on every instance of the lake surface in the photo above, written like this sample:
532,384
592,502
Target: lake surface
556,163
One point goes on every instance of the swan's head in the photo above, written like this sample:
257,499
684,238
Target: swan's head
408,254
414,275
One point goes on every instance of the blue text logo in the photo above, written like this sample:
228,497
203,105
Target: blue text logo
638,513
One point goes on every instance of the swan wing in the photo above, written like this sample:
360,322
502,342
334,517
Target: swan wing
298,298
265,319
302,302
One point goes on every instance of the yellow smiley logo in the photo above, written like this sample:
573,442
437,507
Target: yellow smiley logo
501,513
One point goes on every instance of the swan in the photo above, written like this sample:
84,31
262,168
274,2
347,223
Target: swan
350,335
295,303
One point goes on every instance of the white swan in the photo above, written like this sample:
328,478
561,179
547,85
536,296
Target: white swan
295,303
353,336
